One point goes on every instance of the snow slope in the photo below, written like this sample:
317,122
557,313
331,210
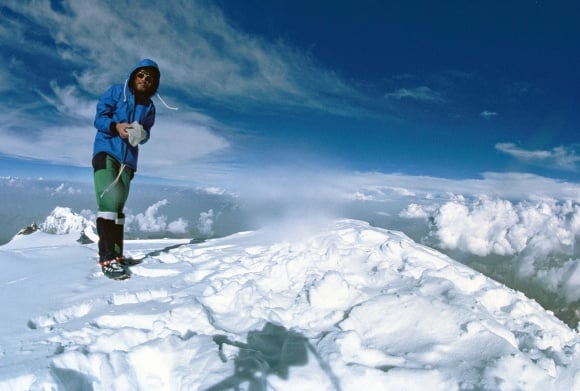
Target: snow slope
339,306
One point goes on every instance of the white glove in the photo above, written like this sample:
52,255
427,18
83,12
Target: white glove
136,133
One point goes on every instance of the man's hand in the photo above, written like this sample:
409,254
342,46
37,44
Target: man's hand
122,129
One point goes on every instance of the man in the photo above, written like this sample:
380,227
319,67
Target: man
124,118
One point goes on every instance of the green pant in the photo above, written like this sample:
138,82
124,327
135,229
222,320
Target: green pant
111,192
112,184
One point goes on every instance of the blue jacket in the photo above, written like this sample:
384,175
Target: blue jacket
118,105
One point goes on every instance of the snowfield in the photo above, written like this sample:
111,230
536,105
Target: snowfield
338,306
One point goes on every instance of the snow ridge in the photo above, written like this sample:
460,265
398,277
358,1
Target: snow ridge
344,307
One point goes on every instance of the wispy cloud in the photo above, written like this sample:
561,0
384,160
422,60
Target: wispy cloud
422,93
201,55
310,187
561,157
70,102
179,147
90,45
488,114
4,80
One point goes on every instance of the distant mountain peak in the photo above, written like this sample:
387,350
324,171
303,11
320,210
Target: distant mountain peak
63,221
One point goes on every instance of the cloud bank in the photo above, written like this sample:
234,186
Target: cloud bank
496,226
539,237
152,221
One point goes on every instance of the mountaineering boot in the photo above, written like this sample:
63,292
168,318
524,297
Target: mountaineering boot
108,258
114,270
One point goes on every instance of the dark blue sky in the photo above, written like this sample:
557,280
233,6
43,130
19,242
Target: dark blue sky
516,60
446,89
373,39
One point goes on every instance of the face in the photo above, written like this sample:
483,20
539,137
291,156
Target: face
143,81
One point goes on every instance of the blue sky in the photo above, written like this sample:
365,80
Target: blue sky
452,89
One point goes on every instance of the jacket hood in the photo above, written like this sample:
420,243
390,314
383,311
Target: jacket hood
151,67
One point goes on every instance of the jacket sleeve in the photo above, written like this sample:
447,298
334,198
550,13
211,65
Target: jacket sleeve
105,110
148,124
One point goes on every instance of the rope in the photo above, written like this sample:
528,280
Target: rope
114,182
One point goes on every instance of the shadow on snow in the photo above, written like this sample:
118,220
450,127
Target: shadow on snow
270,351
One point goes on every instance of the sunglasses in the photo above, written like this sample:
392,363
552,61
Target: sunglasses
145,75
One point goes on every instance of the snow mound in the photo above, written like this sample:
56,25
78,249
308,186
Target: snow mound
345,306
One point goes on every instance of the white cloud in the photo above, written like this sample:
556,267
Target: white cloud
206,222
539,236
416,211
67,145
178,140
359,196
176,150
421,93
482,228
276,194
178,226
201,56
382,186
215,190
199,52
512,149
488,114
152,221
69,101
64,189
561,157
